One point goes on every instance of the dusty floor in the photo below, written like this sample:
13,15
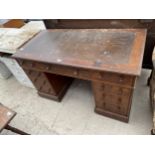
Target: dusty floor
75,114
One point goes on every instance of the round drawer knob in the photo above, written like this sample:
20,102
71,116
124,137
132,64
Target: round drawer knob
47,67
119,100
103,96
103,104
102,87
75,73
32,64
121,79
119,108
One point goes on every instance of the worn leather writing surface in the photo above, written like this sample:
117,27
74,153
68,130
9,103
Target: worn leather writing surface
112,50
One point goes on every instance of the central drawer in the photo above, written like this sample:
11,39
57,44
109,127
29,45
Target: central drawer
62,70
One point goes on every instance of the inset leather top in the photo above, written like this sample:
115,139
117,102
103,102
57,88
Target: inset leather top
112,50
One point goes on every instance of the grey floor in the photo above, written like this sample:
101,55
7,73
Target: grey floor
75,114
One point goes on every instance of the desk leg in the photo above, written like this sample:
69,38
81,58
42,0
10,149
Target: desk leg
15,130
112,100
49,85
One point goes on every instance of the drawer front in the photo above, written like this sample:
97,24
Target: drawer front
68,71
119,79
62,70
85,74
114,78
33,65
25,64
40,66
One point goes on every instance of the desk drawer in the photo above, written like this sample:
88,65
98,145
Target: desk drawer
68,71
33,65
114,78
56,69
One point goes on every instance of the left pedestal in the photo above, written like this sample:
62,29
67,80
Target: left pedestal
49,85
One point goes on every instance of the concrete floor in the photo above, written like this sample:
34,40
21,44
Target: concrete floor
75,114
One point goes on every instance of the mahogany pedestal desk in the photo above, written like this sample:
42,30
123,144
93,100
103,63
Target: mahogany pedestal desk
110,58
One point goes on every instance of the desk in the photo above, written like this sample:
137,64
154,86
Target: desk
110,58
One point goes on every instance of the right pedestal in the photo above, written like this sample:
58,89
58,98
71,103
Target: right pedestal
112,100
